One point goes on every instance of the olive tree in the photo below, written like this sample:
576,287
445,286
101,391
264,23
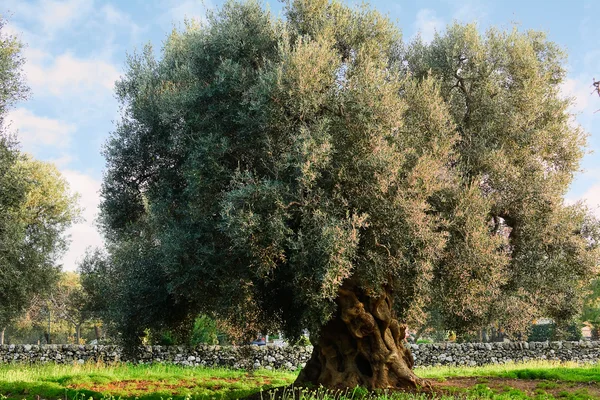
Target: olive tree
33,235
315,173
36,207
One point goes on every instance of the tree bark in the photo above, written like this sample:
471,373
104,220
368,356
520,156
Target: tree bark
2,336
595,331
77,333
362,345
98,332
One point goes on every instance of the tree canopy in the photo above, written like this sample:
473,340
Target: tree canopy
316,172
34,235
35,204
12,85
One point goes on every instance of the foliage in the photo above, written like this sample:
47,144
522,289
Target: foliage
502,90
541,333
35,205
591,303
68,300
13,188
12,83
60,313
96,283
36,227
302,341
205,331
262,163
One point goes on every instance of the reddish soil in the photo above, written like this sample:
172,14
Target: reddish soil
458,386
449,386
146,386
528,386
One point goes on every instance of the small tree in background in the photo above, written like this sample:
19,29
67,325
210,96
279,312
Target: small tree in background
36,207
316,173
69,300
34,237
591,302
98,286
205,331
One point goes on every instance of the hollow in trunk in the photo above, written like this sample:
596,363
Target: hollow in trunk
362,345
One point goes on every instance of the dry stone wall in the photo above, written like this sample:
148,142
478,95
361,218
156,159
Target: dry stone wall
245,357
501,353
292,357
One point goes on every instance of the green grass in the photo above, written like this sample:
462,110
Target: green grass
542,370
546,380
134,381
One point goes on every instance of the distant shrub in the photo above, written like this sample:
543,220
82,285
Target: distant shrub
303,341
543,332
166,338
205,331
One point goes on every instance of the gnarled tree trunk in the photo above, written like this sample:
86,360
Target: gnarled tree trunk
363,344
98,332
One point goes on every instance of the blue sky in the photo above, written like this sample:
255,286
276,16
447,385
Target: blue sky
76,50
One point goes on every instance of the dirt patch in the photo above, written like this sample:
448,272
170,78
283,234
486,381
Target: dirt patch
463,387
528,386
138,386
450,386
228,380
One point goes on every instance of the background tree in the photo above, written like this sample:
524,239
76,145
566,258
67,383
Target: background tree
312,173
591,305
34,237
69,301
93,275
35,206
12,85
12,89
502,91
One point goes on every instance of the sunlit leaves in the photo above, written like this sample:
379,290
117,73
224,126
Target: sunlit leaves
261,163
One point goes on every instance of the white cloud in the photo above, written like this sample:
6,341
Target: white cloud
591,61
470,12
189,9
55,15
427,24
51,15
580,89
116,17
10,29
592,198
83,234
68,74
63,160
35,132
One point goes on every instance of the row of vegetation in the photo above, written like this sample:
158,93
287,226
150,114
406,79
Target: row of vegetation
65,314
317,172
539,380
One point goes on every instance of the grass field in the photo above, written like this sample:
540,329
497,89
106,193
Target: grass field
535,380
133,381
